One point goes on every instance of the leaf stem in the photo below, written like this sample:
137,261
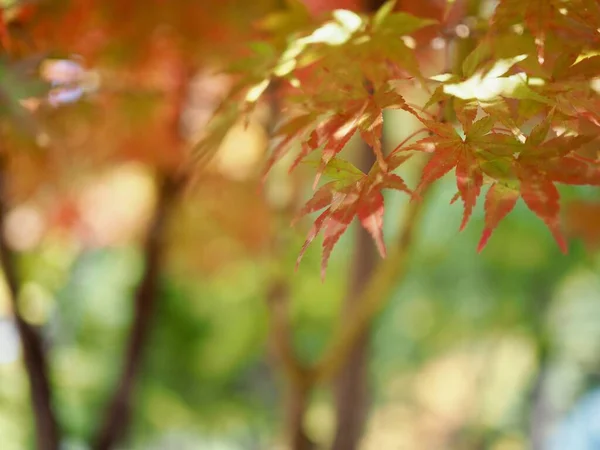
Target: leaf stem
410,136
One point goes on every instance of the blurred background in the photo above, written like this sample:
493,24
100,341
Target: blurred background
498,350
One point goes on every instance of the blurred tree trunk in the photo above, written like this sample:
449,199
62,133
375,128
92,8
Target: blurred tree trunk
46,426
299,383
352,391
352,384
117,417
118,414
298,399
296,378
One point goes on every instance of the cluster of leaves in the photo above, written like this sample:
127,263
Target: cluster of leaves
337,75
527,107
525,104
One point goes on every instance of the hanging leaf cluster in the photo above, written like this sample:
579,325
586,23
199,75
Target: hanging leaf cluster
519,116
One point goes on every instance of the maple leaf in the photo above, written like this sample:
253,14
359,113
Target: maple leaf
538,15
574,95
527,168
293,18
354,110
541,163
353,57
340,74
450,150
537,164
499,201
574,21
352,194
581,16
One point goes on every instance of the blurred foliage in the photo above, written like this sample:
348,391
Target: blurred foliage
456,353
468,353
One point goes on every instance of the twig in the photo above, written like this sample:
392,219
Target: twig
277,301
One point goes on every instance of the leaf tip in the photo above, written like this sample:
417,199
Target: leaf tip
484,239
561,241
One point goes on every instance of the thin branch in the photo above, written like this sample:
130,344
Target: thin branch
409,137
278,295
377,291
297,404
298,379
46,426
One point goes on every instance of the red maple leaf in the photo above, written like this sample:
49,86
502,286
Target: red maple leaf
450,150
542,162
352,194
317,128
515,169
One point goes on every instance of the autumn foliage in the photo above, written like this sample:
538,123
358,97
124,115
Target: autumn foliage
520,115
522,110
510,110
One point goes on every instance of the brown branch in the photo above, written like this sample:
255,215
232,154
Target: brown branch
277,300
388,273
299,382
297,377
46,426
118,414
348,356
297,404
351,390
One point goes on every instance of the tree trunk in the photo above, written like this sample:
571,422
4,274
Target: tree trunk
298,396
352,392
118,415
46,427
